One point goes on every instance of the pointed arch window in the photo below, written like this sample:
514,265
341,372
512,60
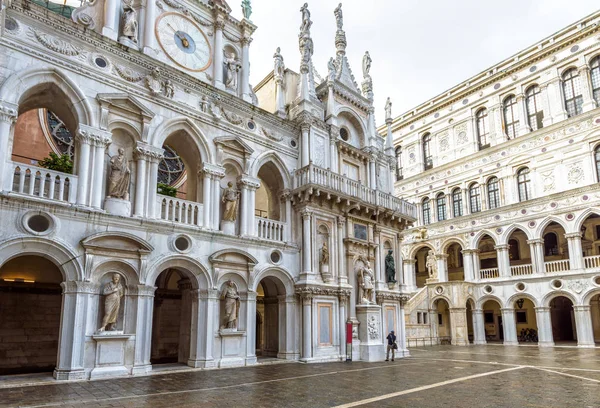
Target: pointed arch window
572,92
482,128
474,198
511,117
426,211
535,112
398,153
595,77
493,190
441,207
457,202
524,184
427,158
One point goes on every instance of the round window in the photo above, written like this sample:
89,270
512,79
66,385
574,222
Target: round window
597,280
556,284
38,223
520,286
251,125
182,243
275,257
344,134
488,289
101,62
10,24
293,143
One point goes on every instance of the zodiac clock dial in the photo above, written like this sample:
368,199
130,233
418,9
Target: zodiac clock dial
183,42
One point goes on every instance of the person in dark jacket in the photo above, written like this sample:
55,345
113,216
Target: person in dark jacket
391,344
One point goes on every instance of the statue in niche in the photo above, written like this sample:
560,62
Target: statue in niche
365,285
324,254
230,198
279,66
130,23
339,18
388,109
232,299
366,64
390,267
113,292
246,9
431,265
120,176
232,66
306,22
331,70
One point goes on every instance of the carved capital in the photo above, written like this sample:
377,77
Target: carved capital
341,221
71,287
8,112
92,136
210,170
219,25
248,182
144,151
306,214
573,235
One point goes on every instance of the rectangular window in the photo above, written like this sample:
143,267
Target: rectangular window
521,316
440,319
424,317
597,231
360,231
457,205
351,171
441,208
419,321
488,317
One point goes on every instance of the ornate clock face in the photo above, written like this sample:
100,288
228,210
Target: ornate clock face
183,41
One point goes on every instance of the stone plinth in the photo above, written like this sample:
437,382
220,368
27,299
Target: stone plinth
233,348
325,274
117,206
369,333
228,227
129,43
110,354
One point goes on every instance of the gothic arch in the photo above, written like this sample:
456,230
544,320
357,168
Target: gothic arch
477,238
546,221
503,239
184,263
65,258
272,157
454,240
580,219
168,127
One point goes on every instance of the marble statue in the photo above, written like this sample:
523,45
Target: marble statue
306,49
390,267
365,285
169,89
339,18
233,66
366,64
120,176
230,198
246,9
130,23
388,109
331,70
431,265
204,104
113,292
324,254
306,22
232,298
279,66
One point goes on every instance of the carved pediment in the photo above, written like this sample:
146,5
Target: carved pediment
234,144
233,258
124,105
121,242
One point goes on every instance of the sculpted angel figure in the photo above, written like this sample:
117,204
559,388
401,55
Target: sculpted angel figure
120,176
130,23
113,292
233,66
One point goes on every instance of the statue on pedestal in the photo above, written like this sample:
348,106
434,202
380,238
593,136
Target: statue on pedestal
233,66
390,267
431,265
279,66
113,292
306,21
130,23
339,17
230,198
120,176
232,299
365,285
246,9
388,109
366,64
324,254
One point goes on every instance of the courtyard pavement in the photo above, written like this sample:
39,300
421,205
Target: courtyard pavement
442,376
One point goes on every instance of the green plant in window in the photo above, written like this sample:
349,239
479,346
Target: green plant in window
166,189
62,163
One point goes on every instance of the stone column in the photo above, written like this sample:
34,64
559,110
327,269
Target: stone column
148,42
251,328
8,116
279,97
83,138
544,327
410,274
478,327
333,156
575,250
287,324
185,318
586,89
286,198
523,123
458,326
155,156
343,299
206,197
218,64
372,174
306,326
205,302
111,19
306,243
556,100
442,265
141,181
583,325
503,260
144,295
468,265
251,211
246,95
71,342
510,327
536,247
243,210
342,272
247,206
379,275
216,200
305,154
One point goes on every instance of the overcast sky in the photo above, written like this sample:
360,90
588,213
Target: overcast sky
419,48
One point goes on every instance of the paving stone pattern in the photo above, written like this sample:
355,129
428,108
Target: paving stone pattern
560,377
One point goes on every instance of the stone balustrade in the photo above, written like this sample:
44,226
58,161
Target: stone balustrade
43,183
561,265
270,229
520,270
179,211
489,273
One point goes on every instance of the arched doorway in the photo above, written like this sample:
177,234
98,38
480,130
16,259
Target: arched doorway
270,318
443,323
492,319
421,273
456,270
563,320
30,305
526,321
172,317
469,316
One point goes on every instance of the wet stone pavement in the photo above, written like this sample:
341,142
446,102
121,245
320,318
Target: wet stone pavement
443,376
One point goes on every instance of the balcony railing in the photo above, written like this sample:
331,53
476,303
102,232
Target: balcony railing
179,211
270,229
561,265
312,174
39,182
592,262
489,273
520,270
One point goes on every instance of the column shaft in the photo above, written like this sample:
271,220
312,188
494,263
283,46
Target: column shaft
83,166
305,159
544,327
151,191
244,212
306,243
98,184
510,327
218,65
583,325
306,327
341,250
478,327
216,201
140,187
206,200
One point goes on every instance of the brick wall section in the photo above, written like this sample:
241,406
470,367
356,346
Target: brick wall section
29,330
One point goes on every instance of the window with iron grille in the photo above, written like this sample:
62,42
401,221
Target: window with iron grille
475,198
441,207
482,128
595,77
524,184
457,202
572,92
493,191
535,112
427,158
426,211
511,117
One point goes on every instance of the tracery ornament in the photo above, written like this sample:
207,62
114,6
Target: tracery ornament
171,168
56,132
55,44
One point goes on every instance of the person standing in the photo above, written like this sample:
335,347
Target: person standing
391,345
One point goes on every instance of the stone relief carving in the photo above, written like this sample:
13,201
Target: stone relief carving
548,180
128,74
319,151
578,286
373,328
270,134
87,14
153,82
575,174
113,293
57,45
